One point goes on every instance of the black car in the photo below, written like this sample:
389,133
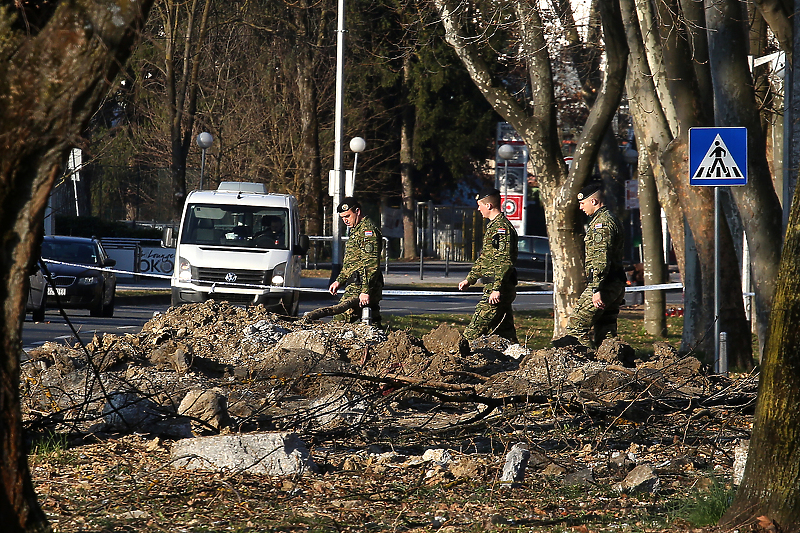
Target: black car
37,295
534,262
77,282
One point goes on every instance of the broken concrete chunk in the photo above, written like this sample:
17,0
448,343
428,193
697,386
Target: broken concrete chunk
740,460
516,463
337,407
128,412
304,339
272,454
580,478
209,408
640,479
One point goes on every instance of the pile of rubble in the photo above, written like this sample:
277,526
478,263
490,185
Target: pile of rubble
237,388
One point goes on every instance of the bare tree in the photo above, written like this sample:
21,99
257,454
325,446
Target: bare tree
184,23
57,61
534,116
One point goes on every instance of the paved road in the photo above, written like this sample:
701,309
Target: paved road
131,318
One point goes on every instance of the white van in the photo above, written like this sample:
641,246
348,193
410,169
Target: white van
241,245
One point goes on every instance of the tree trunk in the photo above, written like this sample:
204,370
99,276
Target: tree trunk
653,134
772,474
182,88
407,164
735,105
655,320
46,104
311,165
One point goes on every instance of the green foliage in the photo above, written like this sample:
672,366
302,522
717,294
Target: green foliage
52,447
96,227
704,507
453,124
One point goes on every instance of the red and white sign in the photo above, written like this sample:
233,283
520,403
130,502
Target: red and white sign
631,194
512,206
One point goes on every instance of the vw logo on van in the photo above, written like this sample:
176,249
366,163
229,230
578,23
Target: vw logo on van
230,277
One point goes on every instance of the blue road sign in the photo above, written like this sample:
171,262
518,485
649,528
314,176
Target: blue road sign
718,156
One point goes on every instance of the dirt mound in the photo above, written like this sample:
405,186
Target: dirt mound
263,363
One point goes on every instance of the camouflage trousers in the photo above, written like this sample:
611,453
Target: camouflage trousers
491,319
353,315
586,316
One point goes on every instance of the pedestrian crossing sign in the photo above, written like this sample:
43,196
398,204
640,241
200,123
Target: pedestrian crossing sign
718,156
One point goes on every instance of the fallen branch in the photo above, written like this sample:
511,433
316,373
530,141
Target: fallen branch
339,308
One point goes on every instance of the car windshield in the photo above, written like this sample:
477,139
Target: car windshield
533,245
234,225
83,253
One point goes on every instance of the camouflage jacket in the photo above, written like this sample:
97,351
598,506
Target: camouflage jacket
498,255
604,244
361,266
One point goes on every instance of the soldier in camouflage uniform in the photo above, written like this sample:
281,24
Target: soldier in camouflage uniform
493,314
598,305
361,270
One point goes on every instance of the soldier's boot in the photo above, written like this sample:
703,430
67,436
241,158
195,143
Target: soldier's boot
566,340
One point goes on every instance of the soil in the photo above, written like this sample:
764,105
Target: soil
576,411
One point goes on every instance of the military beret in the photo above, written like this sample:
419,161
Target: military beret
348,203
590,189
487,191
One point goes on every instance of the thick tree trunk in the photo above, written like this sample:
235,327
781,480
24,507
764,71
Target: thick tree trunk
777,14
311,172
53,79
735,105
772,475
407,165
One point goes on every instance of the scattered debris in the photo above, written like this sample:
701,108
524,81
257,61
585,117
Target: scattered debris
230,391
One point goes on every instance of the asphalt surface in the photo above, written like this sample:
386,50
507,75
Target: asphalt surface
434,275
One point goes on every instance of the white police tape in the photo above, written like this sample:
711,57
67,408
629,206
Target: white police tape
113,270
386,292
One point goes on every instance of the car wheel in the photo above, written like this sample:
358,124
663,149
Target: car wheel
108,310
97,309
37,315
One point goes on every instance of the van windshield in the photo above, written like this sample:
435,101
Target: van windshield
233,225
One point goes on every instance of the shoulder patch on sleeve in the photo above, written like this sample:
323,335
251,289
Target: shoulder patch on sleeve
368,233
501,230
598,225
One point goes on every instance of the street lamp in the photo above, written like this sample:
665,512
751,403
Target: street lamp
204,141
357,145
506,152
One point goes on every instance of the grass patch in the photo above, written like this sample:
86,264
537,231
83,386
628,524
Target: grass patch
143,292
704,507
535,327
317,273
51,447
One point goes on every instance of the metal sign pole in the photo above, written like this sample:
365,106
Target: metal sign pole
718,158
339,179
717,208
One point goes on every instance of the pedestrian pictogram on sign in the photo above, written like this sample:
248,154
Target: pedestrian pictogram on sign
718,156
